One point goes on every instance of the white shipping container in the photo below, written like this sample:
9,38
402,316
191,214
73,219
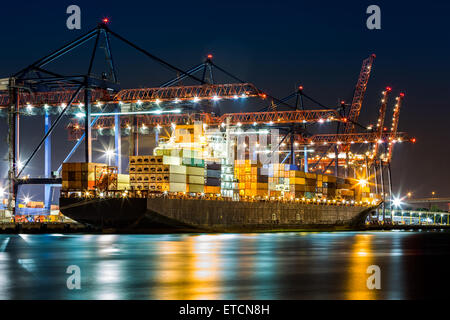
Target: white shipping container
177,169
169,160
177,187
123,178
188,153
227,193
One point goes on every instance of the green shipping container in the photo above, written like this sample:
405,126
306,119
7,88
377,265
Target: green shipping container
193,162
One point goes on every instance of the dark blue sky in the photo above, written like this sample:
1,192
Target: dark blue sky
275,44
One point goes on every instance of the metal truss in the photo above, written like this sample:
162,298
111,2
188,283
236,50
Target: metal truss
54,98
182,93
244,118
353,138
380,123
395,119
358,95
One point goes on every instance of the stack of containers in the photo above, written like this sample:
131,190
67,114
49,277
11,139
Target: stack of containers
229,186
186,168
148,173
319,185
329,186
135,169
174,171
252,181
310,185
213,177
123,181
297,183
365,194
158,174
81,176
276,173
177,175
191,159
344,189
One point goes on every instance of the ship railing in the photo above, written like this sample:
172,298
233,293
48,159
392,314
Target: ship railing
148,194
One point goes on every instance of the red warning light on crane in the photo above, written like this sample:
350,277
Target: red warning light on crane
105,20
388,88
210,56
402,94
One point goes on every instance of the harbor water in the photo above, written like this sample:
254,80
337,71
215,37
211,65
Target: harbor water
323,265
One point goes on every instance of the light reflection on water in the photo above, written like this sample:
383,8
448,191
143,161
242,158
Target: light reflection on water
360,258
217,266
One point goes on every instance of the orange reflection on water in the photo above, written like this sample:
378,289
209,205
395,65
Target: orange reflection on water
188,269
361,258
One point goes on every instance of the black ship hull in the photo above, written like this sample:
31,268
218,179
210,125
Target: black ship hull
192,215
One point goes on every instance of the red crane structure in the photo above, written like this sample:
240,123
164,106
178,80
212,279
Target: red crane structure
358,96
393,139
380,122
141,95
243,118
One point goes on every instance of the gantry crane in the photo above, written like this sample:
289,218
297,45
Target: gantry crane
86,92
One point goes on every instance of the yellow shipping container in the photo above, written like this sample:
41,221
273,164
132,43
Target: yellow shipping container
196,179
196,188
297,174
123,186
299,181
195,171
132,160
212,189
310,175
177,178
260,186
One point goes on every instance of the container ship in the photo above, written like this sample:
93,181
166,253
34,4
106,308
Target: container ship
191,183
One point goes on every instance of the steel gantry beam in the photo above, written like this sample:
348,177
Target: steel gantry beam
182,93
243,118
54,98
352,138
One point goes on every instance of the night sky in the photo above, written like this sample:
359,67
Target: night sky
276,45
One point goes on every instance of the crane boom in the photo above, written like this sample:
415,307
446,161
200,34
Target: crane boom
243,118
352,138
394,127
358,95
380,123
208,91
